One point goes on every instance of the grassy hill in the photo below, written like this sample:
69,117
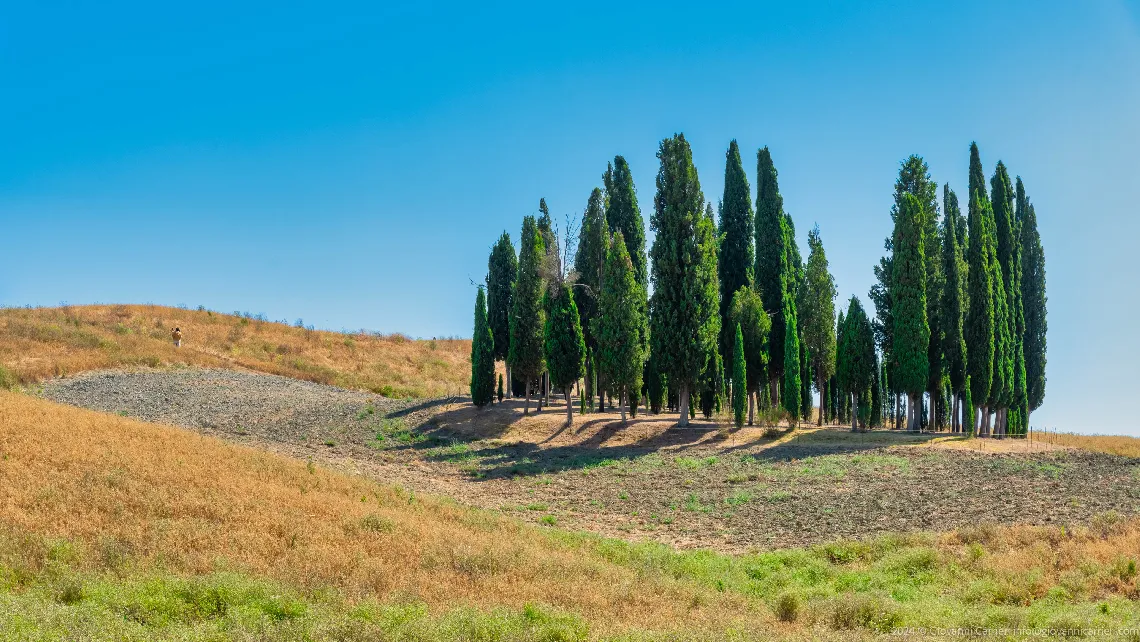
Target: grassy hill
36,343
112,528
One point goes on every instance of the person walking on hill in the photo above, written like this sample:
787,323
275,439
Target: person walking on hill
176,334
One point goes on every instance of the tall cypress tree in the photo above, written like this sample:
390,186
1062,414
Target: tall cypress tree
877,393
980,314
1008,340
771,261
840,355
502,269
685,308
805,381
589,263
620,324
736,257
857,359
482,355
791,395
564,346
527,315
747,311
1034,299
817,314
739,377
953,310
624,215
908,292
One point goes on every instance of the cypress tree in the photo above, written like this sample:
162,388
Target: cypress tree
502,269
817,314
500,387
736,257
565,348
739,377
1005,328
857,359
589,263
980,314
747,311
1034,300
771,261
685,306
654,386
908,293
624,215
482,355
968,408
953,301
840,355
877,394
805,381
712,385
791,396
620,324
527,315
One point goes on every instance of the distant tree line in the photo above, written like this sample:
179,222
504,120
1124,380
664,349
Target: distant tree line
738,322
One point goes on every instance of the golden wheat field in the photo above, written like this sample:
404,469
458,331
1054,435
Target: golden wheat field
36,343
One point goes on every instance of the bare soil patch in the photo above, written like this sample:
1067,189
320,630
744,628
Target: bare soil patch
700,486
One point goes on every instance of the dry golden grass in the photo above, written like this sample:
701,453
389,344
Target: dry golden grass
1112,444
44,342
146,496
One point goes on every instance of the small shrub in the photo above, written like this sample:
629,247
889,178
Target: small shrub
863,611
7,379
787,607
549,520
70,592
377,524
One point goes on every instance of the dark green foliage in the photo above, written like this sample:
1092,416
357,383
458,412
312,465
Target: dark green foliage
739,378
968,409
654,386
805,381
564,347
711,385
482,355
1001,200
876,418
590,259
502,269
1033,299
856,358
817,313
952,315
771,256
980,314
908,294
747,311
527,316
621,323
790,396
501,391
685,306
623,215
736,257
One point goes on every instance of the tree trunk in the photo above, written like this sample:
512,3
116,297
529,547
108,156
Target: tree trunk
822,394
751,406
526,404
854,428
569,408
509,388
683,403
621,403
897,418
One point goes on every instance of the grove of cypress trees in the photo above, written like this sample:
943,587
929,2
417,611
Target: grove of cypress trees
527,316
736,257
620,324
739,378
564,347
502,269
685,306
908,293
952,315
482,355
747,311
771,262
817,315
1033,299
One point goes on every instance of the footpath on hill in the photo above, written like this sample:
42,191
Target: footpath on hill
692,488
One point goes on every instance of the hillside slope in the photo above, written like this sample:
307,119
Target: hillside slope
36,343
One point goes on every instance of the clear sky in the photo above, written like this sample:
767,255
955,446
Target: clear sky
351,165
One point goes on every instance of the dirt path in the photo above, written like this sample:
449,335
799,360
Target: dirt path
696,487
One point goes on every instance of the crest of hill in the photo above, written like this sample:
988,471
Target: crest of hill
37,343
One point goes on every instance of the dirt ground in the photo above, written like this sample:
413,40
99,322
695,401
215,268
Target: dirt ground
695,487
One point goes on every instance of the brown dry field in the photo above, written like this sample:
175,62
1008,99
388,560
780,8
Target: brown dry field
38,343
162,497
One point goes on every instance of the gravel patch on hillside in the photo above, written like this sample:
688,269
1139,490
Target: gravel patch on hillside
229,403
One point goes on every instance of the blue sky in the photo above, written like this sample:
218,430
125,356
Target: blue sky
352,164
